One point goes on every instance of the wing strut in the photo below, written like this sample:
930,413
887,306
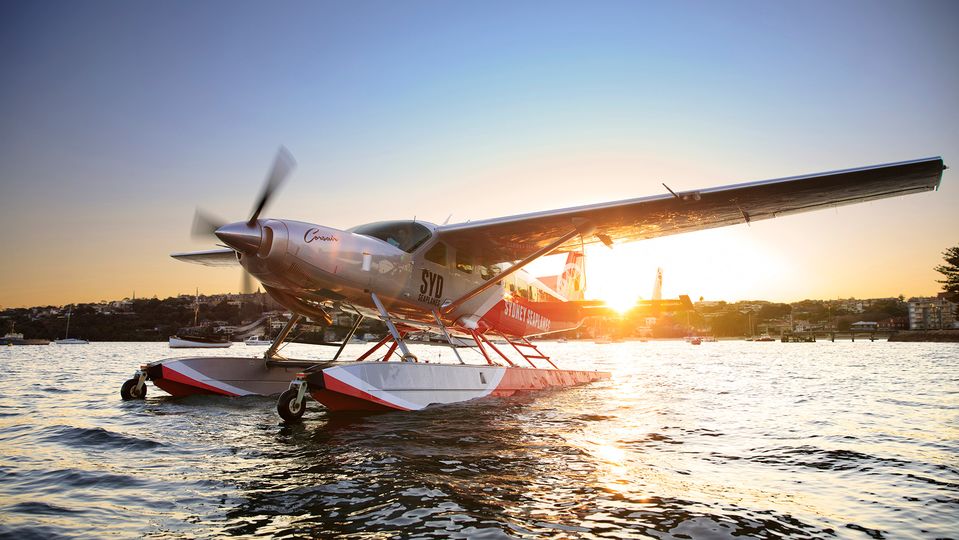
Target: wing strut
580,227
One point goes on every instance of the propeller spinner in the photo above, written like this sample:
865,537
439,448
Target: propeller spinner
246,236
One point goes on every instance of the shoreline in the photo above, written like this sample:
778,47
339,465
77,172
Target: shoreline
940,336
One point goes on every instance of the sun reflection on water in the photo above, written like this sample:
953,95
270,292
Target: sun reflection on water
725,439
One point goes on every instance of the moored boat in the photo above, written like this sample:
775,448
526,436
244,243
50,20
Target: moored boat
198,342
67,340
187,341
254,341
16,338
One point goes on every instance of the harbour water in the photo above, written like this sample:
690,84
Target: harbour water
765,440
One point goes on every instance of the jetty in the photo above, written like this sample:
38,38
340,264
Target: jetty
810,336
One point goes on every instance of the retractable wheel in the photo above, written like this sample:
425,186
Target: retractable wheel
130,391
290,405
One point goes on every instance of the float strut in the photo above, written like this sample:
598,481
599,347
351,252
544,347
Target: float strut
278,340
407,355
301,387
141,378
349,335
446,334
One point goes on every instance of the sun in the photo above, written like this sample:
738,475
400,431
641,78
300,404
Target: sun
621,304
716,264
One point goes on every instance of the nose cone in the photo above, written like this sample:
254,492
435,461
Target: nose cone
240,236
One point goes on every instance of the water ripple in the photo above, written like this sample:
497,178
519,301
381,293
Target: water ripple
724,440
96,437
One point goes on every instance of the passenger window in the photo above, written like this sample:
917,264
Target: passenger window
437,254
464,263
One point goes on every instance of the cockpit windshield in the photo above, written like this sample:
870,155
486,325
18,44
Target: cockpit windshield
406,235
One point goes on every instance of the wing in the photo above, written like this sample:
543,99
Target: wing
514,237
210,257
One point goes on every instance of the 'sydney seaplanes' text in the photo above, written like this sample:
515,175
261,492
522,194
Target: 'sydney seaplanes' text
526,315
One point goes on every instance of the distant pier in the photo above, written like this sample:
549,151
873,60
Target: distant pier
810,336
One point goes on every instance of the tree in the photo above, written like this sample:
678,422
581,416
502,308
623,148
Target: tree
729,324
951,271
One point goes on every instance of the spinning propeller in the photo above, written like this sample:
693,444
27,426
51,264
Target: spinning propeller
244,236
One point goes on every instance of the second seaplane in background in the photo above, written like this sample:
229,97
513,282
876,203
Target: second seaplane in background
466,280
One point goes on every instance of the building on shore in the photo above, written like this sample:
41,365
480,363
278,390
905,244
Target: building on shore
868,326
931,313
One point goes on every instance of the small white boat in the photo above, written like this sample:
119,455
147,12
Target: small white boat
254,341
67,340
198,342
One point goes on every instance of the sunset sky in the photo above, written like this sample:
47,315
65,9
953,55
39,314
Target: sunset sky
118,119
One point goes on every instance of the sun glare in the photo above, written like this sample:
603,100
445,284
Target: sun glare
716,264
621,304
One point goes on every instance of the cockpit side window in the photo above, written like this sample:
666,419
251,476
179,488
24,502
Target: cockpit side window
405,235
437,254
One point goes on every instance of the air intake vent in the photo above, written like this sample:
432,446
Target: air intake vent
266,244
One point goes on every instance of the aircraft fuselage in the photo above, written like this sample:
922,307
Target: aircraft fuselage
412,273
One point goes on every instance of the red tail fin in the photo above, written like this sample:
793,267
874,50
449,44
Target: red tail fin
572,282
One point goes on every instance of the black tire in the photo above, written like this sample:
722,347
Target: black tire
289,408
129,390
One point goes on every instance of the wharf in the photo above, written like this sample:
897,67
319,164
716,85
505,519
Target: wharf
811,335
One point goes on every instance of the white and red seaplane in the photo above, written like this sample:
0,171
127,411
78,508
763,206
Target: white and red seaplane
465,280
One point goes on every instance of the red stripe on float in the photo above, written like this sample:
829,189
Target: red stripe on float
176,376
335,385
336,401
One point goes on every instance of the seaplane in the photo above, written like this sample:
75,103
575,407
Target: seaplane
462,280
